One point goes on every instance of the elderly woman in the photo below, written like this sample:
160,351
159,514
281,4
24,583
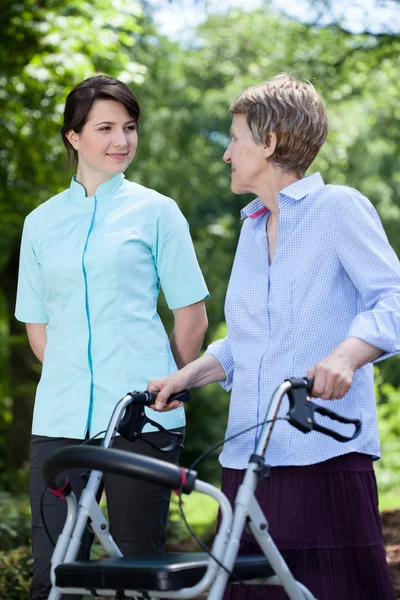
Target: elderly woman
314,289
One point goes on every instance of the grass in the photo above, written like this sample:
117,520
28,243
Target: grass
201,514
200,510
389,500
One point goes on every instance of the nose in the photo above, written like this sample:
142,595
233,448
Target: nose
119,138
227,155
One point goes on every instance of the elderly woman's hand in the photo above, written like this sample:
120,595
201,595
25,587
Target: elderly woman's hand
166,387
334,374
332,377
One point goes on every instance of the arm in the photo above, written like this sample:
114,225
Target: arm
37,338
190,326
180,276
30,307
216,365
334,375
200,372
373,268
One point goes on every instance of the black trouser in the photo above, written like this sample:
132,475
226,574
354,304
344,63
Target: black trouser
137,511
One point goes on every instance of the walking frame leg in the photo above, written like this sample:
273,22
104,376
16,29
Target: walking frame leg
69,541
62,543
258,526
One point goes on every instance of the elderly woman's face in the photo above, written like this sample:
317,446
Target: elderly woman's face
246,157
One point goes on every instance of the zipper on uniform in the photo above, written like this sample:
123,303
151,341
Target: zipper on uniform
89,348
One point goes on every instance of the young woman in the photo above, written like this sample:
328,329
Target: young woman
93,259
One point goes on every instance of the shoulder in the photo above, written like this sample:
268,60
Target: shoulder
39,217
346,205
344,198
151,199
153,208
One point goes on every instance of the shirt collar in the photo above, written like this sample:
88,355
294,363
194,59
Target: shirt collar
104,190
294,191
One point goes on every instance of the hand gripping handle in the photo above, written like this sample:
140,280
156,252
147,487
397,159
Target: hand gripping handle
147,398
302,412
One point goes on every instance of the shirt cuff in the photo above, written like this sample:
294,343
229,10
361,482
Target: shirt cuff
221,350
188,299
367,326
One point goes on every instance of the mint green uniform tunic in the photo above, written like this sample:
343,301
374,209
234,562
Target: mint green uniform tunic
91,268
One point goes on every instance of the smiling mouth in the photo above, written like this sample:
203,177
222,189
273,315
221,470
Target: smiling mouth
118,156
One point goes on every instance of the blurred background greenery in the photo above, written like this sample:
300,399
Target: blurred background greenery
184,87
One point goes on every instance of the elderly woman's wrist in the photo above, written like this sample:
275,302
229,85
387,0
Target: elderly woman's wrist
356,352
202,371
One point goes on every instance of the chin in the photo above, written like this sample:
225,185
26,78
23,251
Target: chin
238,190
118,168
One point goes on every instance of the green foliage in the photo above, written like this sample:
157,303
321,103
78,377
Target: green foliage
15,573
15,521
201,515
56,45
387,468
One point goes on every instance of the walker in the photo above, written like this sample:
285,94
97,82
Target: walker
177,575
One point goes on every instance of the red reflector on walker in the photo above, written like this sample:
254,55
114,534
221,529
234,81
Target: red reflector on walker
183,483
60,493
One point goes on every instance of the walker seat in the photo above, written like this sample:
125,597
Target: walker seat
167,572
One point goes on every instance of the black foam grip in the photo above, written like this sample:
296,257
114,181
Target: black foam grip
299,383
148,398
310,382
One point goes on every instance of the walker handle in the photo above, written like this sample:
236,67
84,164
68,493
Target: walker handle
302,411
135,418
147,398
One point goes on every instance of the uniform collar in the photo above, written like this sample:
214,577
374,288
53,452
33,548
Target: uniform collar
104,190
295,191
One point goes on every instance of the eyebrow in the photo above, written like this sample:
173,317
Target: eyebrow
112,122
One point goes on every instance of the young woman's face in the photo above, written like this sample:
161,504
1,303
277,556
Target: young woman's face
107,143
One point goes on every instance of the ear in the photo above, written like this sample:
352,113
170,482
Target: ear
73,138
270,149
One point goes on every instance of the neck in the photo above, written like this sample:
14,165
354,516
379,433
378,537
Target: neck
275,181
91,182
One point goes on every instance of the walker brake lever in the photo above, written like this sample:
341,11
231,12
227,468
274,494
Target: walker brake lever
135,418
302,411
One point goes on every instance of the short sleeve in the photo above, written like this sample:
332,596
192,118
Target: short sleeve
178,270
30,293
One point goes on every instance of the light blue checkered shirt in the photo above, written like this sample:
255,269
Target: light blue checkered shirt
333,275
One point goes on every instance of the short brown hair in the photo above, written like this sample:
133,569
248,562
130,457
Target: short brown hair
294,111
80,100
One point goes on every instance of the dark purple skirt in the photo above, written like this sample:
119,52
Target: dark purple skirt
324,519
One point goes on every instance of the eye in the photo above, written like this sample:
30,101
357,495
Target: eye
131,127
105,128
